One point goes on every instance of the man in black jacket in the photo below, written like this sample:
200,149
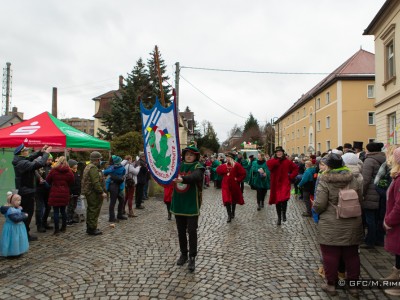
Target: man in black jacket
24,168
141,180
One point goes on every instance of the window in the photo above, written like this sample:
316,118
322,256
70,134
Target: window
304,149
319,147
371,140
328,122
390,72
392,129
293,118
318,103
304,131
304,112
310,118
292,135
292,150
318,125
298,150
298,133
371,118
371,91
328,97
328,145
311,140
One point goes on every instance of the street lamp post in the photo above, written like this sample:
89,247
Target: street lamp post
273,124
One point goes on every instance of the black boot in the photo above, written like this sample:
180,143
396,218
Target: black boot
182,260
90,231
47,226
169,215
258,206
64,226
278,212
40,228
56,229
122,217
233,210
284,208
228,210
192,263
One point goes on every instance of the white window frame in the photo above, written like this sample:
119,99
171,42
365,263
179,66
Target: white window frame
328,145
390,60
371,113
371,91
328,122
392,127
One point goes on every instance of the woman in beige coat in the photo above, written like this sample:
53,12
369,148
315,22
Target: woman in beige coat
338,238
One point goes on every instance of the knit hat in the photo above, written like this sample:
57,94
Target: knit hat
338,152
374,147
350,158
72,163
396,155
334,161
116,159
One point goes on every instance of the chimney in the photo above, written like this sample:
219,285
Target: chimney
54,103
16,113
121,82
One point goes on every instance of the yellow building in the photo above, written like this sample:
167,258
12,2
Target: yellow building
340,109
385,28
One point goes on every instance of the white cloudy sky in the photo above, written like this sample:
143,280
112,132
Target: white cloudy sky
82,47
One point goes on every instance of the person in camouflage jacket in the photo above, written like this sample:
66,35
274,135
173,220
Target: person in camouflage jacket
94,190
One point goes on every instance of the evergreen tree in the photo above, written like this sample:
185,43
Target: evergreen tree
154,81
125,107
251,122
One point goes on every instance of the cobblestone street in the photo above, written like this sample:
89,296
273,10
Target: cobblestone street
250,258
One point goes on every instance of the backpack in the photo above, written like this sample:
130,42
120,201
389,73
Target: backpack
348,204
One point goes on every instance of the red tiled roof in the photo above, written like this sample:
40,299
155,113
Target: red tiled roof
360,65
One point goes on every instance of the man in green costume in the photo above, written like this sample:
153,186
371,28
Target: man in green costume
186,202
94,190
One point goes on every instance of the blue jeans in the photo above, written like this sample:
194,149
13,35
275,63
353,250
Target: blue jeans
375,232
57,210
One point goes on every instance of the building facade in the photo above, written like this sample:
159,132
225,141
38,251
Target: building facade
84,125
340,109
385,29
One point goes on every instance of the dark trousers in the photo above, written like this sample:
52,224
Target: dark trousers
28,206
42,208
261,196
145,190
129,191
281,208
115,194
139,194
306,199
397,261
73,201
242,186
331,256
187,226
375,231
57,210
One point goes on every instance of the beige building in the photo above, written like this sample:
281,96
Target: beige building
84,125
340,109
385,28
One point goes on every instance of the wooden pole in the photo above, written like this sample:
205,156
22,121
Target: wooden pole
157,62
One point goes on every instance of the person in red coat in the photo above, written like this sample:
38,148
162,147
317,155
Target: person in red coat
283,171
60,179
392,219
233,174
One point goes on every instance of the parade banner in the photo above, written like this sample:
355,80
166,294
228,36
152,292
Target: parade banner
161,141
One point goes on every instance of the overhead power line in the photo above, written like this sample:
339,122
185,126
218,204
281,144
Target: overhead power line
254,72
197,89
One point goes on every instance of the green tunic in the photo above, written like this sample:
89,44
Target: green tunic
214,166
186,198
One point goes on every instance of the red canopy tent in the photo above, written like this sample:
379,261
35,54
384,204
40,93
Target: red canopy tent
45,129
